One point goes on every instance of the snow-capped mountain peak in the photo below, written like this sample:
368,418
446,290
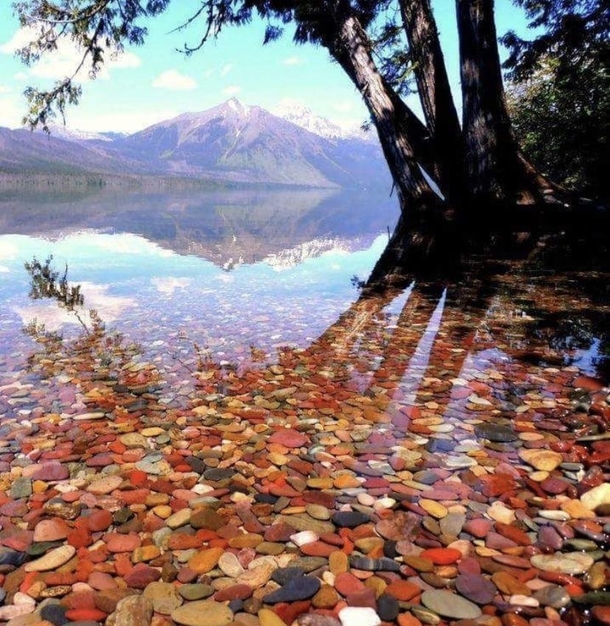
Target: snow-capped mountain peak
238,107
70,134
305,118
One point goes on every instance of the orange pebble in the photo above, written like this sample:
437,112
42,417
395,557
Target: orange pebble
574,590
408,619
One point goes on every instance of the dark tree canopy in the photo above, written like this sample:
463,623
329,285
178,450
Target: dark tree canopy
560,89
574,32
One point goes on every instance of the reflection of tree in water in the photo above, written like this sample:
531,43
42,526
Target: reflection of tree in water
372,364
503,319
95,353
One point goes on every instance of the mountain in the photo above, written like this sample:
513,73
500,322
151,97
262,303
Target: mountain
23,153
241,143
232,143
62,132
305,118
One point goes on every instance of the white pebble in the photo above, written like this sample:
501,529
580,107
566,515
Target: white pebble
366,499
384,503
303,538
521,600
358,616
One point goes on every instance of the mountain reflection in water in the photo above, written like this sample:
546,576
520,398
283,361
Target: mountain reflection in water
228,228
509,338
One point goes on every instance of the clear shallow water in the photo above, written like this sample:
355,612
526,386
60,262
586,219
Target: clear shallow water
239,318
229,271
239,276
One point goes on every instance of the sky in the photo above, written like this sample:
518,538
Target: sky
156,81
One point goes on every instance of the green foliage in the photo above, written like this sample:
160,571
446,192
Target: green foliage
394,57
564,129
100,28
573,32
559,94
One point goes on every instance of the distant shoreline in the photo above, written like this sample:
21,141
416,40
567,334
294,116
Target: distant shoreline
90,181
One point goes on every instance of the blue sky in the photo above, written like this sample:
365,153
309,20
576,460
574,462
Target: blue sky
155,81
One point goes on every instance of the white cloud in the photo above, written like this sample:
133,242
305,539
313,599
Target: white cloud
123,60
225,69
231,90
208,74
8,250
21,37
174,81
109,307
170,284
4,269
66,58
5,89
293,61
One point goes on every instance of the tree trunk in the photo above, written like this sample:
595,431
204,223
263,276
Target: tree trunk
435,96
419,135
429,245
420,205
352,49
495,174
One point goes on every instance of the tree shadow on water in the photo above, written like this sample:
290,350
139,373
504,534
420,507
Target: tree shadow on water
441,350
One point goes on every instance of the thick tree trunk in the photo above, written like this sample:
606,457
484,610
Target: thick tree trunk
352,50
495,172
421,207
435,96
419,136
429,245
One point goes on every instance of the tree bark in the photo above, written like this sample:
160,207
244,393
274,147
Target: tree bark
435,96
421,207
418,133
352,49
494,169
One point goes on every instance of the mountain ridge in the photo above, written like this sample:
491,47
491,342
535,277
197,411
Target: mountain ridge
232,143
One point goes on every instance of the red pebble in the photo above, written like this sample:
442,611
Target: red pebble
138,478
79,538
84,615
137,496
317,548
234,592
99,520
442,556
601,614
289,612
79,600
347,584
141,576
403,590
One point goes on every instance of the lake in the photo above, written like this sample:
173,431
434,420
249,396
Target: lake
233,271
225,270
233,364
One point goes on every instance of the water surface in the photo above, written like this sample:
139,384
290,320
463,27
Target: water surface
238,278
